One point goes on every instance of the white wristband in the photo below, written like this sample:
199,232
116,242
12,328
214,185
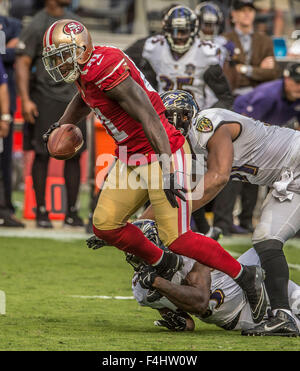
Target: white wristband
6,117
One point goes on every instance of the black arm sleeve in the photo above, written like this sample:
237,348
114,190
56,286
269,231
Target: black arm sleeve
217,82
135,51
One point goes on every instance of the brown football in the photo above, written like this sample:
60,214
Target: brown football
65,141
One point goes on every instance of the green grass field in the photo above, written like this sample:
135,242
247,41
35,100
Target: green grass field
41,277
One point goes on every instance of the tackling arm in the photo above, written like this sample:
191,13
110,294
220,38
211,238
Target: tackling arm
193,295
219,165
175,321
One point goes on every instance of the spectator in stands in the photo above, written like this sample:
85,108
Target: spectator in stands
253,54
43,102
273,17
276,102
12,28
254,63
6,218
20,8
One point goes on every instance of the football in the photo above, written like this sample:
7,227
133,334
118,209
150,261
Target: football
65,141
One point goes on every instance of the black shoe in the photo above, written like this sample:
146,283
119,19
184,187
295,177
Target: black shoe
72,219
282,324
42,218
215,233
252,282
11,221
168,266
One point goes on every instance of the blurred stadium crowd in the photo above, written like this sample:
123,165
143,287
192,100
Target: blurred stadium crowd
259,44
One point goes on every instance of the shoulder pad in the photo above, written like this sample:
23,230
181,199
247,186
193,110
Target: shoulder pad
209,48
158,39
153,41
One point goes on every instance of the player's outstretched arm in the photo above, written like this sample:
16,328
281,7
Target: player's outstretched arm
193,295
76,111
219,165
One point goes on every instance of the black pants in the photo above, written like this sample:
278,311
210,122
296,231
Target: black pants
6,168
71,175
225,201
49,112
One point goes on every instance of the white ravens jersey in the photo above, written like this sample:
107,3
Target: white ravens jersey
262,152
227,300
185,73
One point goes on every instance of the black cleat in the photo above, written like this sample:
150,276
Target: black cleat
166,269
251,281
42,218
282,324
72,219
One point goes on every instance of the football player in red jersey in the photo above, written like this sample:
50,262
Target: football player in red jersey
133,114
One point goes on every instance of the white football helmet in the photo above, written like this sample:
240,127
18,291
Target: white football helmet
67,44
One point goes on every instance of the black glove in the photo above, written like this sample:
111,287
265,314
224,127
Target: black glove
172,321
49,131
173,189
95,243
146,276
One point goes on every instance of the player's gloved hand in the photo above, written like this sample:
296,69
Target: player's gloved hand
146,276
95,243
49,131
172,321
173,189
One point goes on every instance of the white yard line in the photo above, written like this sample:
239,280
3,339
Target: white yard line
103,297
53,234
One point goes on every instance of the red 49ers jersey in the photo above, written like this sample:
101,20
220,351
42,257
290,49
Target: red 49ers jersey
108,67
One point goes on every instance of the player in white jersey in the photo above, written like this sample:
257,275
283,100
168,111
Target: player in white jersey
182,61
211,25
212,296
248,150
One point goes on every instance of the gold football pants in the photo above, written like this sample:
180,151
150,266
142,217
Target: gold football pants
127,188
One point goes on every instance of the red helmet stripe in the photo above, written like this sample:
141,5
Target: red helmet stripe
48,35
